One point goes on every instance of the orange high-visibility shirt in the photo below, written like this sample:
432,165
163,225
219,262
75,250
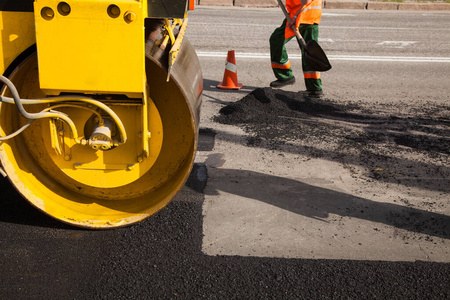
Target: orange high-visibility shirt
310,13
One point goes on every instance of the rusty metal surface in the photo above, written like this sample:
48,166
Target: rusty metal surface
186,73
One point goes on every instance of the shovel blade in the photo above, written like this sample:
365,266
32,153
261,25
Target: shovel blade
315,57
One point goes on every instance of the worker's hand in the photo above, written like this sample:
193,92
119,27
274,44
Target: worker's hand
293,22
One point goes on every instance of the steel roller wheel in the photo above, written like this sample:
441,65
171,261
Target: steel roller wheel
105,189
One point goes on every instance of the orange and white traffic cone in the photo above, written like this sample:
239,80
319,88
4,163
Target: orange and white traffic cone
230,81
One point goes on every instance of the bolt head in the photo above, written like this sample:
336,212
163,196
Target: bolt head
130,16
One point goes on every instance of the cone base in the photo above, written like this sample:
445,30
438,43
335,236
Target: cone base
224,87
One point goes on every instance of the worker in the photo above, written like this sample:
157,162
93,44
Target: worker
305,15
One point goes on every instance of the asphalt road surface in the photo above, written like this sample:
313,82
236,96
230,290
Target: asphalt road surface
222,238
387,84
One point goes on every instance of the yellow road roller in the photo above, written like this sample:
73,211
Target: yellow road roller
100,103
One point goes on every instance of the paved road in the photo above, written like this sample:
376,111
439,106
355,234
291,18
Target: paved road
187,250
342,32
383,63
401,54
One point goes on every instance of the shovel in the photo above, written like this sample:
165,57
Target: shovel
314,55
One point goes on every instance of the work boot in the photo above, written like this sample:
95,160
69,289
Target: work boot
280,83
312,94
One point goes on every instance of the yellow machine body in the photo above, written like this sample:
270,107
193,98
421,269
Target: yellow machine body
126,139
18,34
94,46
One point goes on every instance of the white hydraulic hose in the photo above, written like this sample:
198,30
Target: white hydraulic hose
99,116
88,100
72,98
34,116
17,132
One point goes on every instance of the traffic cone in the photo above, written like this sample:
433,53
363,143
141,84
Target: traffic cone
230,81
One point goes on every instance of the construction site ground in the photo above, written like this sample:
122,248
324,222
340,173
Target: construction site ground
290,197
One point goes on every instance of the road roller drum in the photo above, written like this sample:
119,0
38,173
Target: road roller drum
98,150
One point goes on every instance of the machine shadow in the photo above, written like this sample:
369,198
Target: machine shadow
319,203
17,210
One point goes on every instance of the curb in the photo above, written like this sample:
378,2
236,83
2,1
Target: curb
334,5
241,3
344,5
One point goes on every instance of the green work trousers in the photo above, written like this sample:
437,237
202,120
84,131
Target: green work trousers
279,57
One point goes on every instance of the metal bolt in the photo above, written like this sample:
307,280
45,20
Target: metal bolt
47,13
129,16
113,11
64,8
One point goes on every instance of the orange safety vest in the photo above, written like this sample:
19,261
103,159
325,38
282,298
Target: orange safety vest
309,14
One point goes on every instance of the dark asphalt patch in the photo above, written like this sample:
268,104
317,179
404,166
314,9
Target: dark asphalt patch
206,139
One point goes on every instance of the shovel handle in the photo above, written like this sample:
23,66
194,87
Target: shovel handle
299,37
300,40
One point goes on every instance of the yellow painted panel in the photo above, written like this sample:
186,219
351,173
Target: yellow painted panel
94,46
17,35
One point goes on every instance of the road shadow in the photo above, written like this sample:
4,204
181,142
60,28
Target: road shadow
377,167
319,203
15,209
419,133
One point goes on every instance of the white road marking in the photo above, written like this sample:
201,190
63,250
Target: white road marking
396,44
275,25
337,15
245,25
332,57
